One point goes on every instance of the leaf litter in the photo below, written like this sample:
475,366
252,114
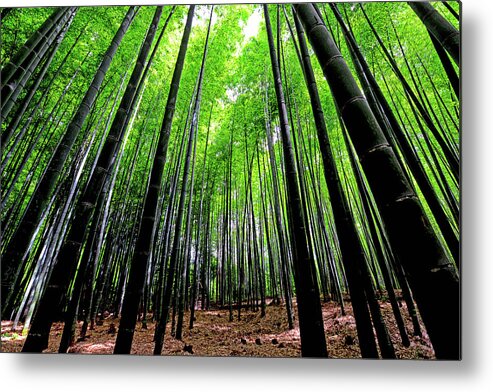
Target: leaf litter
252,336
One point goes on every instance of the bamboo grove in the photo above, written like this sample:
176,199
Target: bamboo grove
159,161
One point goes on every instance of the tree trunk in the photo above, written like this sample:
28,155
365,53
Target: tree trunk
446,34
433,278
68,256
307,294
19,242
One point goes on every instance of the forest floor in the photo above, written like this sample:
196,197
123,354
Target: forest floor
253,336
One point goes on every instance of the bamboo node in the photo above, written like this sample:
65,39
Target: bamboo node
352,100
331,60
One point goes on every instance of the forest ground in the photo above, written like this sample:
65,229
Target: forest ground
214,335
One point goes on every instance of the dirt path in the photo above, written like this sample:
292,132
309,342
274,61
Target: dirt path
252,336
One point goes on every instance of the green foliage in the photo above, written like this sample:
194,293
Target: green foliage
237,73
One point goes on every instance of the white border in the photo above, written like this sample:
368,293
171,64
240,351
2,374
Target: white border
474,373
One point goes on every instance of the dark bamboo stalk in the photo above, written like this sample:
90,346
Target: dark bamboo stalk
68,256
351,249
20,240
307,293
433,278
139,261
26,50
446,34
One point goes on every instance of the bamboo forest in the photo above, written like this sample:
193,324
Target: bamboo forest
259,180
